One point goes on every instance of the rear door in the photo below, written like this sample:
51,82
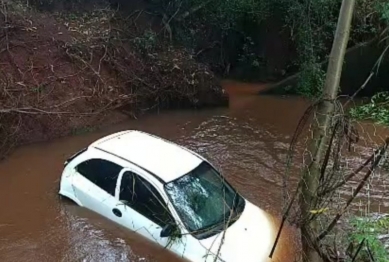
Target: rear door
94,185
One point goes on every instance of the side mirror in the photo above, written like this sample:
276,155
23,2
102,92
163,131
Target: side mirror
168,230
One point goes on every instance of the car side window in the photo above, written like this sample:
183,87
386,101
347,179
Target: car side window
141,196
101,172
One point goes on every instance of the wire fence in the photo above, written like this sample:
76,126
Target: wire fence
352,197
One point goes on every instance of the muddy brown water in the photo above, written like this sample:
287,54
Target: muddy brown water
247,141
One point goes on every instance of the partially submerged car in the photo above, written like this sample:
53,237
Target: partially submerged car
170,195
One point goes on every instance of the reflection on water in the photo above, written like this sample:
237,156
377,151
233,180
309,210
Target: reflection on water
247,141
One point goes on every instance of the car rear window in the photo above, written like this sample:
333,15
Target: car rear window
101,172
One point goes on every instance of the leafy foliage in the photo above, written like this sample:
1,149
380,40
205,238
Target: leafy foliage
229,14
311,79
147,42
227,29
377,110
370,229
384,11
247,55
312,25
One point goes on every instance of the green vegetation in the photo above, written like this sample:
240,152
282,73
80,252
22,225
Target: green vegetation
146,42
311,79
229,32
376,110
369,230
314,23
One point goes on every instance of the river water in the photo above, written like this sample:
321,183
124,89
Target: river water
247,141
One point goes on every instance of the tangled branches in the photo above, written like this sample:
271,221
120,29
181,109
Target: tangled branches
61,72
154,75
335,173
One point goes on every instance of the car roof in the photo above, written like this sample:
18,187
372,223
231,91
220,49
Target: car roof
166,160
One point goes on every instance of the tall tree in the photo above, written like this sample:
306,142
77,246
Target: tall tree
321,126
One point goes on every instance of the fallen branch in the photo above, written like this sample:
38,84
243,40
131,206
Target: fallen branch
38,111
86,64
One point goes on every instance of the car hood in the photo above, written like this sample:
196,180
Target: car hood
249,239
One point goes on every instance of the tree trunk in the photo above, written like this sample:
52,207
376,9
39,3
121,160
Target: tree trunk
322,121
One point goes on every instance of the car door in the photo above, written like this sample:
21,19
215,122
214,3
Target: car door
94,185
143,209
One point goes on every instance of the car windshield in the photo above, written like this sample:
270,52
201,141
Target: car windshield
205,201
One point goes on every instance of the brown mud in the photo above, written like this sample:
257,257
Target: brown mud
60,73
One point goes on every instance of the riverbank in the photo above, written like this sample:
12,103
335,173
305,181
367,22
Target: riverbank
63,73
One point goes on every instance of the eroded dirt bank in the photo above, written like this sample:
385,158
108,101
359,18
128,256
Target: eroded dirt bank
63,73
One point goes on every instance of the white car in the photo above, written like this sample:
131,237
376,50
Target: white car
168,194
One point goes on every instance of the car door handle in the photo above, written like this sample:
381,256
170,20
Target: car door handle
117,212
